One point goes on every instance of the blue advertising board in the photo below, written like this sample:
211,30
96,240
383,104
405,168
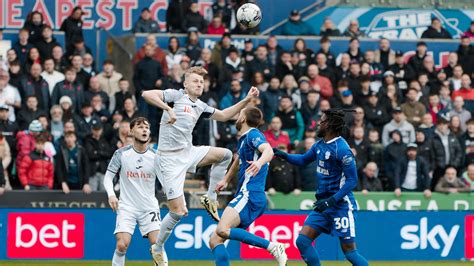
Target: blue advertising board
380,235
393,23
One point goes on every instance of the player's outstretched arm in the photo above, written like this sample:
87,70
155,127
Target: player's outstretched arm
234,168
230,112
155,98
297,159
267,154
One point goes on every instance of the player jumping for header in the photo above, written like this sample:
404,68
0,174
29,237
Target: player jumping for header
176,154
254,154
335,207
138,204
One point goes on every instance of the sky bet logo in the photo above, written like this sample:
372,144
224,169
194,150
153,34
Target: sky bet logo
45,236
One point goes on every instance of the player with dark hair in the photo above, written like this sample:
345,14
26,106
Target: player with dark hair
335,207
254,153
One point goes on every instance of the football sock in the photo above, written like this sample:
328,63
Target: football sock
307,251
118,259
248,238
217,174
355,258
221,255
167,225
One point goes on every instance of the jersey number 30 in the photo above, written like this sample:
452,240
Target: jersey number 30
341,223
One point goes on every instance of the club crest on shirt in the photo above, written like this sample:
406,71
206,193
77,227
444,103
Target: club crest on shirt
255,141
347,159
327,155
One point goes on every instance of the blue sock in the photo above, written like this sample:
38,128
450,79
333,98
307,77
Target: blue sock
221,255
307,251
248,238
356,259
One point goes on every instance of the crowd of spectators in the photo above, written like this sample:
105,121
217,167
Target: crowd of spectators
62,115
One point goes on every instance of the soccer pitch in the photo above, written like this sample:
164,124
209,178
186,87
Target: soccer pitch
242,263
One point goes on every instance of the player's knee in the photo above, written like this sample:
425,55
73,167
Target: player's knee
122,246
222,232
227,156
215,240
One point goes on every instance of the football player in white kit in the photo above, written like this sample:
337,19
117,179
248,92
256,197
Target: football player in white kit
138,204
176,154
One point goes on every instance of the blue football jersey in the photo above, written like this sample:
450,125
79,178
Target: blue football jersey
248,151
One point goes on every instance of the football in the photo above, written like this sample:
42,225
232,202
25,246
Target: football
249,15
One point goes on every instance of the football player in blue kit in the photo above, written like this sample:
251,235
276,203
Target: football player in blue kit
335,207
254,154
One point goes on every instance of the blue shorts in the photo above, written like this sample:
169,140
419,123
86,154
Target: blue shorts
338,221
250,205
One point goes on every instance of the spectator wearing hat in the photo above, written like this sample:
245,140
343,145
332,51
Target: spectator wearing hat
466,55
216,27
275,136
146,24
376,112
83,121
9,95
416,61
292,120
412,173
446,149
270,99
65,103
466,92
69,87
450,183
99,152
296,26
413,109
72,165
468,176
370,181
29,112
192,18
283,176
328,29
424,147
320,83
399,123
392,156
436,31
347,102
158,54
353,30
403,73
467,143
459,110
51,76
72,27
26,140
35,169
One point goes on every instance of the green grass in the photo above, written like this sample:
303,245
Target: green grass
208,263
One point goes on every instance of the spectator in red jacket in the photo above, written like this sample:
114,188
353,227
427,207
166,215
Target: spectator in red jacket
466,92
159,54
320,83
275,136
216,27
36,168
26,140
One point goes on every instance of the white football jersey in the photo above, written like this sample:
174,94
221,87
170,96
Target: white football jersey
137,178
180,134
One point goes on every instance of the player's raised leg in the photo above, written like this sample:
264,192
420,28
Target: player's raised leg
304,242
220,159
123,241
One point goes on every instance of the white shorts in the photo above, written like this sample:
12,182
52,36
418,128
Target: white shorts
172,167
148,221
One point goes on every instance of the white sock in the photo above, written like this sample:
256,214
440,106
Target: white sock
118,258
167,225
217,174
271,246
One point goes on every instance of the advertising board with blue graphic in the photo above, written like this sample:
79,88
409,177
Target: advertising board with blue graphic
394,23
88,234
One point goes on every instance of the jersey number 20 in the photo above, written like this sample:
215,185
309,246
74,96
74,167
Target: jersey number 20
155,216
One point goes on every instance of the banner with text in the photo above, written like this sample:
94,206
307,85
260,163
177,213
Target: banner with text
383,201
